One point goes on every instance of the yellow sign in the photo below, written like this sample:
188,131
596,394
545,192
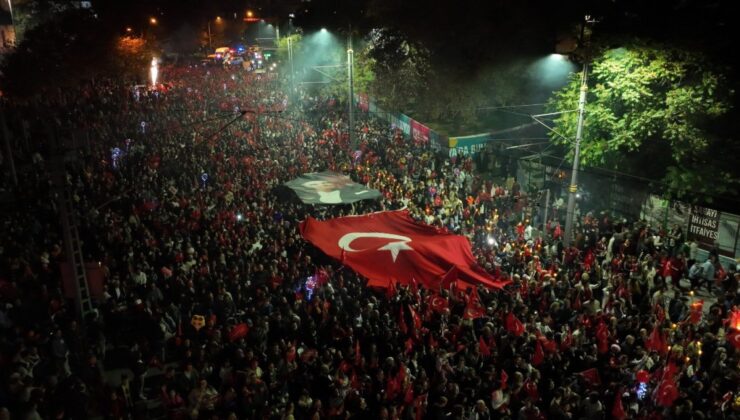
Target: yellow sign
453,142
573,188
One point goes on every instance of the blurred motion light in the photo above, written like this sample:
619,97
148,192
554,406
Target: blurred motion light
154,71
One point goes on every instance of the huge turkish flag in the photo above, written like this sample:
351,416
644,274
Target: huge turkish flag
388,247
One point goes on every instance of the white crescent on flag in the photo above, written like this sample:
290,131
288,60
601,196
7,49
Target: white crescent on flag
345,242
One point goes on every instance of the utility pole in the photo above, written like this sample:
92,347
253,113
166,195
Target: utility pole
292,70
210,44
544,217
350,65
573,188
8,148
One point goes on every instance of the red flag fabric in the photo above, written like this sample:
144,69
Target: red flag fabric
409,345
391,290
656,341
419,407
514,325
549,346
448,278
392,388
659,313
618,412
402,321
539,354
669,371
391,244
504,379
401,375
591,376
416,318
239,331
485,351
666,393
438,303
734,338
474,309
358,353
602,337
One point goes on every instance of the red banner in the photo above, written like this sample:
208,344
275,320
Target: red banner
419,132
390,247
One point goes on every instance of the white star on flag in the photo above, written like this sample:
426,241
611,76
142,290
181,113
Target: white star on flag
395,248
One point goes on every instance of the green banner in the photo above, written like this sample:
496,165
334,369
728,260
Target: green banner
467,141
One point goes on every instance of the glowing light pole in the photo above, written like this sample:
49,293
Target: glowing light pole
350,65
154,71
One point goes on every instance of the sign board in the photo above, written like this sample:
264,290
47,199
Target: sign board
704,225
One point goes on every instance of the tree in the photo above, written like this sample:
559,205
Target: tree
652,110
401,70
27,15
71,47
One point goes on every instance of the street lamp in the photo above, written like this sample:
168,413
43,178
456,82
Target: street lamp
218,20
153,20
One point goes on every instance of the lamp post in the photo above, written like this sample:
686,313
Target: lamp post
350,103
292,70
12,18
210,44
573,188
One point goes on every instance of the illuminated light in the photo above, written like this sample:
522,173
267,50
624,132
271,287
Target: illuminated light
323,29
691,293
239,216
642,390
674,326
735,319
154,71
291,15
699,352
250,13
128,29
153,20
688,359
490,241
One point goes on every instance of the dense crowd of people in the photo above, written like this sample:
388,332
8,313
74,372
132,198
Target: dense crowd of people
204,305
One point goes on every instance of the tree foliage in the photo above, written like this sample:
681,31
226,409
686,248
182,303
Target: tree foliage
401,70
72,46
651,110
